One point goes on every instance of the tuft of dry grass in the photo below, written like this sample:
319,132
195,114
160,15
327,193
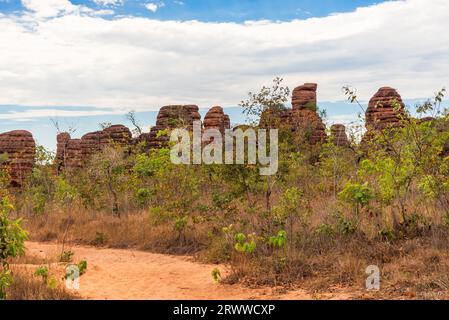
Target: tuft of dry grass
29,287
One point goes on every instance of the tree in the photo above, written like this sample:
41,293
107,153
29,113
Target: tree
131,117
399,156
268,101
109,168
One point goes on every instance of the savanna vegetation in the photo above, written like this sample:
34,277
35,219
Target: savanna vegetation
328,213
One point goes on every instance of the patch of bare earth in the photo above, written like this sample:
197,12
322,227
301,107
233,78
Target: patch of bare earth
115,274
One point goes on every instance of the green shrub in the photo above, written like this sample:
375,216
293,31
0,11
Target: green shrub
42,272
279,240
243,245
12,243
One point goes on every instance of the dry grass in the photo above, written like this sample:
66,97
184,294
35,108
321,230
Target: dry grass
103,230
410,269
415,265
28,287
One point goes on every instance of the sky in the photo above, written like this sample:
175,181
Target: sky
83,62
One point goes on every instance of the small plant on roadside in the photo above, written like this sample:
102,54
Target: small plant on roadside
66,256
42,272
52,282
216,275
100,239
82,266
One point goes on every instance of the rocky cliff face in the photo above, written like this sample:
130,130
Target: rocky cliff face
19,150
338,135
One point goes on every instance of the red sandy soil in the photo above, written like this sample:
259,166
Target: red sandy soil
115,274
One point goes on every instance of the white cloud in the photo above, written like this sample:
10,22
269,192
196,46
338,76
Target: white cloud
48,113
45,9
49,8
109,2
139,63
153,7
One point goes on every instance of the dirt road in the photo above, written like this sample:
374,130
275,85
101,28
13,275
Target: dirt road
127,274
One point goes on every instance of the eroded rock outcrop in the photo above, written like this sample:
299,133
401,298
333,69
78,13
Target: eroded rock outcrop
171,117
72,153
19,150
305,96
302,119
217,119
94,142
306,121
385,109
339,136
62,140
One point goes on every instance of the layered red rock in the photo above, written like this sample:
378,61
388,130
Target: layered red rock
304,97
72,153
94,142
338,135
305,119
309,126
119,135
171,117
19,149
217,119
62,140
385,109
302,119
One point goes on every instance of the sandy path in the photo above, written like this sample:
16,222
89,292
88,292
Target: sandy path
127,274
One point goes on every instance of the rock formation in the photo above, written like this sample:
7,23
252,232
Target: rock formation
62,140
305,97
68,152
302,119
19,150
338,135
72,153
94,142
306,121
384,109
171,117
217,119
